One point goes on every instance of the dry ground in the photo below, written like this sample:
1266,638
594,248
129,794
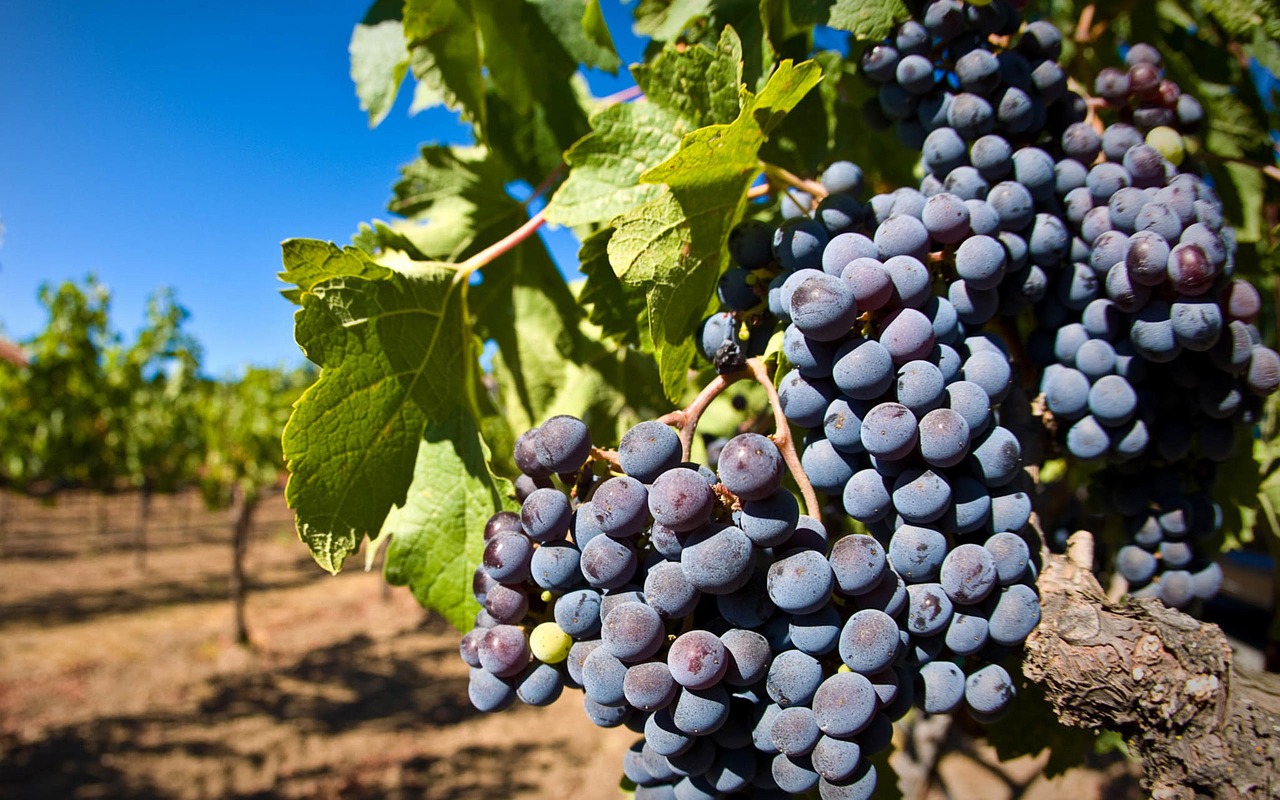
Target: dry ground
117,682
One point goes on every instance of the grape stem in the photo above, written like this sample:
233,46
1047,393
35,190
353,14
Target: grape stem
609,457
686,419
1084,32
501,247
782,438
547,183
786,178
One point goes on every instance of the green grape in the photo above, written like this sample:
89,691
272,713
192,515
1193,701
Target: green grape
1168,142
549,644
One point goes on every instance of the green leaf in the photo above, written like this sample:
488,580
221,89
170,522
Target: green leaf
612,305
525,306
1241,18
447,60
597,30
307,262
683,91
675,245
379,59
665,19
437,534
460,192
868,20
698,84
394,350
605,167
580,29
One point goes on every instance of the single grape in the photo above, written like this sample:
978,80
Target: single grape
863,369
869,641
697,659
942,686
889,431
1011,555
718,561
649,449
989,690
750,466
823,307
844,177
1016,614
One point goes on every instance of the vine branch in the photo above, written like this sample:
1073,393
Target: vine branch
1200,726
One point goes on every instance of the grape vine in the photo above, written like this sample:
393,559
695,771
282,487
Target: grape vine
1062,290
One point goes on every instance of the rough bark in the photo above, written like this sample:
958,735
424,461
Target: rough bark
1201,728
241,523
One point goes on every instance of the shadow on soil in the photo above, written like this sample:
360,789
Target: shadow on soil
349,686
63,607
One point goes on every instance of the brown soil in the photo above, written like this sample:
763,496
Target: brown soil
118,682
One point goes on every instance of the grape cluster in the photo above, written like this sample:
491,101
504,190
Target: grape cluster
703,609
1149,354
1165,522
943,74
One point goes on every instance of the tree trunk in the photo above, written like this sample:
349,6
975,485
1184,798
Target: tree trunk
103,520
140,532
241,524
5,504
189,497
1162,679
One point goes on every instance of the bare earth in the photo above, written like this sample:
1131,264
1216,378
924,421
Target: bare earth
117,682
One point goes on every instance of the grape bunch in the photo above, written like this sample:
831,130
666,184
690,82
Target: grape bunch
944,73
1168,525
704,610
1149,354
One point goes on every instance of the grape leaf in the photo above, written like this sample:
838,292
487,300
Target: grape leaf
580,28
675,245
698,84
867,20
460,192
611,304
379,59
1241,18
437,533
597,30
525,306
663,20
447,56
604,179
684,91
394,350
308,262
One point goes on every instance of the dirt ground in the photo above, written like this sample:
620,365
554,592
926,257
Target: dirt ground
123,682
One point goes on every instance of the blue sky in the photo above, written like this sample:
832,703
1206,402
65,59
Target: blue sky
177,144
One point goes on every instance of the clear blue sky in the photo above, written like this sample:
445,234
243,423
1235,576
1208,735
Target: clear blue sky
177,144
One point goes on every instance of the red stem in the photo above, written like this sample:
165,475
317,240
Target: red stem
505,245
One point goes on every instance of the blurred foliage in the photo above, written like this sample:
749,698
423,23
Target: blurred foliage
91,410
